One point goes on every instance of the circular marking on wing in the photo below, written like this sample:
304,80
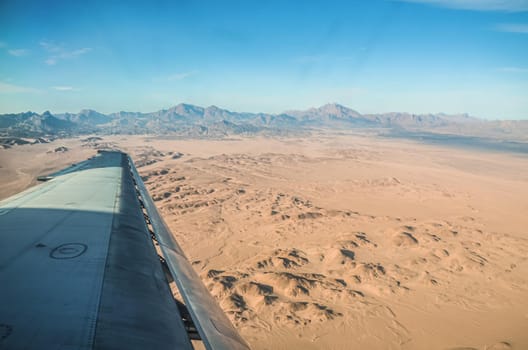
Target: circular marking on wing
68,251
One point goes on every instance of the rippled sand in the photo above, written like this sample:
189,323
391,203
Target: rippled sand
338,241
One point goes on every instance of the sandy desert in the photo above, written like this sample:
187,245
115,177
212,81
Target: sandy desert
336,241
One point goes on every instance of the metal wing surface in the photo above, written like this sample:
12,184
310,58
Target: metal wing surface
79,268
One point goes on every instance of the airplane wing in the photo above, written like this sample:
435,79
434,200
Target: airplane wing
79,267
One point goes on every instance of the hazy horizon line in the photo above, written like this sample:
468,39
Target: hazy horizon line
269,113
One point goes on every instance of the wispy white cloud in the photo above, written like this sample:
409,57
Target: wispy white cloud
50,61
18,52
181,76
77,52
6,88
513,70
521,28
63,88
478,5
51,46
59,52
14,52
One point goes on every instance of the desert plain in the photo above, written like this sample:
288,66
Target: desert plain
336,240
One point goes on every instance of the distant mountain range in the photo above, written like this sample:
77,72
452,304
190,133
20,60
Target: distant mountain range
194,121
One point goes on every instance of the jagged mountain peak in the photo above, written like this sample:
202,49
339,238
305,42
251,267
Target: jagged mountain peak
87,111
187,108
186,119
215,108
338,110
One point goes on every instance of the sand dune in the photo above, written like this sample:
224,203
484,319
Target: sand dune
340,241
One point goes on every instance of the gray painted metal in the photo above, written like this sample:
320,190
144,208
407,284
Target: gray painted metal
78,269
214,327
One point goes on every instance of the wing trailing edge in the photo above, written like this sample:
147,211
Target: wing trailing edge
215,329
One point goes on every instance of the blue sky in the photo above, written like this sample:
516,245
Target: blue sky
266,56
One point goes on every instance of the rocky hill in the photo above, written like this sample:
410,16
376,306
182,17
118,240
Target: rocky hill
195,121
